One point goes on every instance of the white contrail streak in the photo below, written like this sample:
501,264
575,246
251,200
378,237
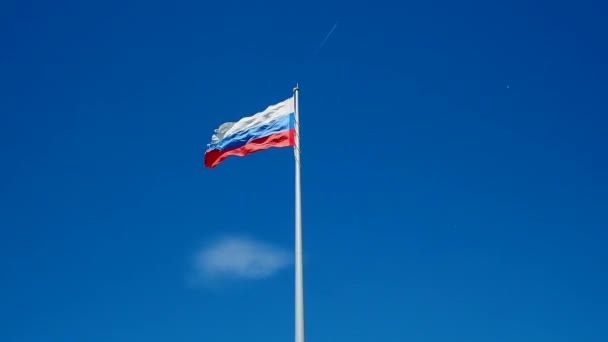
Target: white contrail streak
327,36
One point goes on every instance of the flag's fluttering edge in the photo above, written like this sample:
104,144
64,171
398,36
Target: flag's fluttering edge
273,127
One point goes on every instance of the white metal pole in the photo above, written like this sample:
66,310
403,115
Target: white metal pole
299,286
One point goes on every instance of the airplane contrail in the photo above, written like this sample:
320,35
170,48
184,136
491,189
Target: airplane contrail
327,36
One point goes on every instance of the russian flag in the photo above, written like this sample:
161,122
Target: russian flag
273,127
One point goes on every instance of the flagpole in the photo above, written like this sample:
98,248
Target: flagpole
299,283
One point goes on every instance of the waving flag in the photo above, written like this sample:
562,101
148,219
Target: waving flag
273,127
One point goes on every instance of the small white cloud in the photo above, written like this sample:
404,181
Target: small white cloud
240,258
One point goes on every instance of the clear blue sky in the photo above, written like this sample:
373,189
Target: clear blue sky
455,170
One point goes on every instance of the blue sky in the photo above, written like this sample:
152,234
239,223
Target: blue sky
454,171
